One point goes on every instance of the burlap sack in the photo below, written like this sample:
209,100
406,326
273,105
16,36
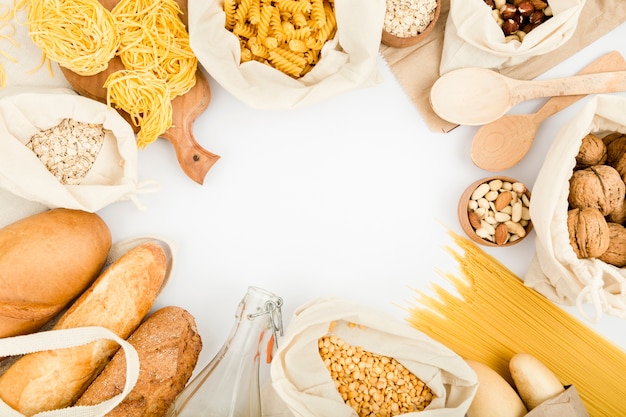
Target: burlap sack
473,39
113,176
348,61
301,385
595,287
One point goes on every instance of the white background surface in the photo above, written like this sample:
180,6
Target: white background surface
352,198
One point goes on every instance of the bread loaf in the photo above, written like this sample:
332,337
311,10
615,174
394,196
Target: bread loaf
119,300
168,345
495,397
46,261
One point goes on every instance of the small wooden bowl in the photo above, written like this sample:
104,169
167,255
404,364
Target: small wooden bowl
402,42
463,213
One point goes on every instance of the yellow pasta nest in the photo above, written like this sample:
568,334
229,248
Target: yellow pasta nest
79,35
285,34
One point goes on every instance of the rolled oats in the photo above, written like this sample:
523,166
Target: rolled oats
69,149
405,18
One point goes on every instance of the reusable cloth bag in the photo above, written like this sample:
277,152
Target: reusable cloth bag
303,385
472,38
113,176
555,270
347,62
66,338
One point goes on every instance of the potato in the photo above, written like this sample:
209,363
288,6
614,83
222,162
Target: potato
535,383
47,260
495,397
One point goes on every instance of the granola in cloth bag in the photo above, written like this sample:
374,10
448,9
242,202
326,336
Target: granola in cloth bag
65,150
302,386
348,61
472,37
594,286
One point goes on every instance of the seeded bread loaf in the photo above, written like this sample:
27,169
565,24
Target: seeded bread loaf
119,300
46,261
168,345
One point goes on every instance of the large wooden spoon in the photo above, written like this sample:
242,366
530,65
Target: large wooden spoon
477,96
194,160
503,143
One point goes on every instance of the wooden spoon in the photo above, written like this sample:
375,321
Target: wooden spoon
194,160
503,143
477,96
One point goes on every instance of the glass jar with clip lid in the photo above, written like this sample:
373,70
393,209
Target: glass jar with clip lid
229,385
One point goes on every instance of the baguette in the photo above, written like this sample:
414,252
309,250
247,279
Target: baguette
168,345
119,300
46,261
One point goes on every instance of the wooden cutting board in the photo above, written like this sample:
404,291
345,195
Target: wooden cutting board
194,160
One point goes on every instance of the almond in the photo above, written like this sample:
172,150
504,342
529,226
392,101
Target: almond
503,200
474,219
501,235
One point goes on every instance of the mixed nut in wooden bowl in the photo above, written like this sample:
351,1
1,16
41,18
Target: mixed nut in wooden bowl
494,211
408,22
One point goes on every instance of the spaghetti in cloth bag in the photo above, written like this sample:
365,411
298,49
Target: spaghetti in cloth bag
595,287
472,38
113,175
301,385
348,61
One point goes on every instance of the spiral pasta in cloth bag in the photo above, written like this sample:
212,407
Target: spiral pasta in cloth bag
578,213
287,54
65,150
474,35
340,358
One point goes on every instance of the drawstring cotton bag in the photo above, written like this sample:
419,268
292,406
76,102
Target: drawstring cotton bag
111,178
302,386
556,271
348,61
472,38
67,338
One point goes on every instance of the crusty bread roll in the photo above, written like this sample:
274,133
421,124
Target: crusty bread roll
46,261
168,345
119,300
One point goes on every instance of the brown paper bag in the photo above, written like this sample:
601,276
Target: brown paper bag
567,404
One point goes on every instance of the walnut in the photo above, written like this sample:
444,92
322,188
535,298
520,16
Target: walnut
598,186
616,252
619,214
615,147
592,152
588,232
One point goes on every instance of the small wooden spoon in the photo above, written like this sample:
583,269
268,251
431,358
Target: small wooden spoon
503,143
477,96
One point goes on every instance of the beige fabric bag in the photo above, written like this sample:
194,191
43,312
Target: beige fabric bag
555,270
301,385
473,39
348,61
66,338
113,176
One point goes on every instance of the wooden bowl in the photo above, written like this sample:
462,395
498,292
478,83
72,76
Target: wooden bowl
402,42
469,229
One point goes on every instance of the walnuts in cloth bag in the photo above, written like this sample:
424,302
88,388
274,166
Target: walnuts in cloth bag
579,212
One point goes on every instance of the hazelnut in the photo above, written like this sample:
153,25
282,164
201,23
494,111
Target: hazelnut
490,3
508,11
536,17
599,186
588,232
616,252
525,8
510,26
592,151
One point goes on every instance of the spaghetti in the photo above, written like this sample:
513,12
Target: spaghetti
79,35
496,316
